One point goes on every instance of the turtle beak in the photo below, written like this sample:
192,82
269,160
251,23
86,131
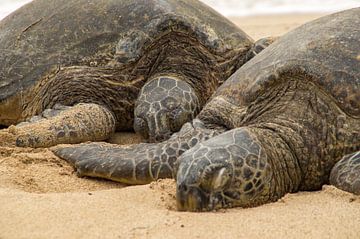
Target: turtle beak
191,199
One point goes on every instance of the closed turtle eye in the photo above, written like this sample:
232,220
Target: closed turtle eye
170,102
215,177
177,118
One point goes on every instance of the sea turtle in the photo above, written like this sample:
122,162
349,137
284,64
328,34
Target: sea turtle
289,115
74,69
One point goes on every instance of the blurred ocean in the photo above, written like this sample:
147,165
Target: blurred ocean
264,7
243,7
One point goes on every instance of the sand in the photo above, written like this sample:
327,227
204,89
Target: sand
41,196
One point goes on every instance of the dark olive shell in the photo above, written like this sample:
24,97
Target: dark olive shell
325,52
46,34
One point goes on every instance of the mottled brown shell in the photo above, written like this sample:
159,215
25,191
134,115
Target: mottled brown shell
325,52
46,34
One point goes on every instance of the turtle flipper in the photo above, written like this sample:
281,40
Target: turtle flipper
135,164
76,124
345,175
114,162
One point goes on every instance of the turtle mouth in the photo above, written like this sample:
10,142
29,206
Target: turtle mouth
149,134
192,199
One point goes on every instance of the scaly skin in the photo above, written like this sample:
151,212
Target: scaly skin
160,109
77,124
135,164
246,166
163,106
292,113
60,53
346,173
287,148
263,160
112,88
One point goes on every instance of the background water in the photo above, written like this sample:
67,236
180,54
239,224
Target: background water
243,7
261,7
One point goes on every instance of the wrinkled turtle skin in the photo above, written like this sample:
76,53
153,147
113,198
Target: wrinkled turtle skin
280,124
97,56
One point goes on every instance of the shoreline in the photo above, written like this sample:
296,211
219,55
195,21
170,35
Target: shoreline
275,25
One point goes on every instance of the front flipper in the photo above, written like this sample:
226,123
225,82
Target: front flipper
130,165
345,175
66,125
135,164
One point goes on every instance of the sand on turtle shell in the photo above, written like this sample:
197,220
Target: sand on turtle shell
41,196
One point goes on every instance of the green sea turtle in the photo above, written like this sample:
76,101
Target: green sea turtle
290,114
77,70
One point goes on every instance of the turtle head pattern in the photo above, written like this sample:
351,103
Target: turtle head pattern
163,106
226,171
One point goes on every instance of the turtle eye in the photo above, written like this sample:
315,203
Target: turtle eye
177,118
215,177
170,103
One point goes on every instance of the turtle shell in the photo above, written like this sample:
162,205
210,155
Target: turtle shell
325,51
53,33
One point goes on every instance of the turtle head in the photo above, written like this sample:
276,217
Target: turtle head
201,182
163,106
222,172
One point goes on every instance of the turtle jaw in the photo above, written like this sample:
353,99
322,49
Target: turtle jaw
196,199
191,199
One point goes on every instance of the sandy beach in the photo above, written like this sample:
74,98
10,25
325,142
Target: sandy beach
41,196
